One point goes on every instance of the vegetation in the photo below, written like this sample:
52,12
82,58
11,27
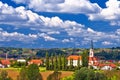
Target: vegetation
4,75
88,74
85,59
54,76
30,73
105,53
47,62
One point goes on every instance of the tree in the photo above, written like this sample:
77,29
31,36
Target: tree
52,62
88,74
85,58
59,62
81,74
54,76
47,62
23,74
78,63
71,64
4,75
100,76
33,72
55,64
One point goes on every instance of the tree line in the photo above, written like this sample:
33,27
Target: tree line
60,62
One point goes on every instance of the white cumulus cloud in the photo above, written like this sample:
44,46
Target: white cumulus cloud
111,13
67,6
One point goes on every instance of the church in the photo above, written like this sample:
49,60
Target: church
92,60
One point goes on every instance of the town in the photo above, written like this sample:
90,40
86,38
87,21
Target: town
59,62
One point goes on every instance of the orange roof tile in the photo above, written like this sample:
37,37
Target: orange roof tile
36,61
74,57
5,62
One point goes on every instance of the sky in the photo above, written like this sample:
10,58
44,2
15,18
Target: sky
59,23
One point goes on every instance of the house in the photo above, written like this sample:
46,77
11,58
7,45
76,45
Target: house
35,61
105,66
21,60
75,59
5,63
109,66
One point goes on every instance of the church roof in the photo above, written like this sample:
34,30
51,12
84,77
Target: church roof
74,57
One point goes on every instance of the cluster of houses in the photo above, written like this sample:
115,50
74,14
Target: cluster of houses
93,61
6,63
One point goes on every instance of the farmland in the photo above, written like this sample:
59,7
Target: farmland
14,72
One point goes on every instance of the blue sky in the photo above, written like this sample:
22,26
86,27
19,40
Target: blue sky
59,23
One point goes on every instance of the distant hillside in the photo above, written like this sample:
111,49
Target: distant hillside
103,53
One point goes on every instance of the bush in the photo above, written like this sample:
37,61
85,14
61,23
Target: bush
88,74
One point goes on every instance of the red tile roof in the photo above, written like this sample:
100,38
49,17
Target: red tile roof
93,59
74,57
110,64
5,62
36,61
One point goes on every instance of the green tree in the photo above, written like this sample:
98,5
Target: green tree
78,63
71,64
81,74
63,62
23,74
33,72
88,74
54,76
55,64
59,62
52,62
47,62
100,76
85,58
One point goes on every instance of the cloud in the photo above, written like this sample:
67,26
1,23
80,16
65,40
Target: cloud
118,32
111,13
107,43
19,16
66,6
92,10
67,40
50,29
15,36
46,37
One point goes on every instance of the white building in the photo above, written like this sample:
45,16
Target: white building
21,60
75,59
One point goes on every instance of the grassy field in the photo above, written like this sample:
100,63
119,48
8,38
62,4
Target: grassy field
14,72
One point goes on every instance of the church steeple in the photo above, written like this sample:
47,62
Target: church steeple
91,44
91,53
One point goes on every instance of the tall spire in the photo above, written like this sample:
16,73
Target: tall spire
91,53
91,44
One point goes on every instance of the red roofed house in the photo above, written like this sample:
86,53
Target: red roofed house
35,61
5,63
75,59
108,66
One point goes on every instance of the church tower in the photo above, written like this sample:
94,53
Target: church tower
91,53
